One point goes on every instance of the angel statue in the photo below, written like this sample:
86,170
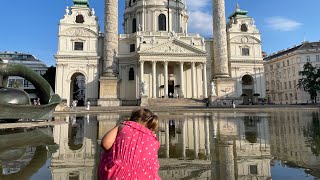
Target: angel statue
143,88
213,89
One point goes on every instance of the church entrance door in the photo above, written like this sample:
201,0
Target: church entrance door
247,89
77,90
170,88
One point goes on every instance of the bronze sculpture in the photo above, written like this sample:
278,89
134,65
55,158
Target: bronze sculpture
15,103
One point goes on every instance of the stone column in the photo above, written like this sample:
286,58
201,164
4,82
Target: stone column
181,81
196,138
220,39
110,37
193,74
183,134
205,84
109,82
165,79
154,79
207,136
141,71
167,139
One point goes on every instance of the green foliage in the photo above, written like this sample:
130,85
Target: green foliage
50,76
310,80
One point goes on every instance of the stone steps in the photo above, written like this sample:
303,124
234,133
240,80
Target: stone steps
177,102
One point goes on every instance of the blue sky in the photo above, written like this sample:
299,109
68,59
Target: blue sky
32,26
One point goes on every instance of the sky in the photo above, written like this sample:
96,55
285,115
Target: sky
32,26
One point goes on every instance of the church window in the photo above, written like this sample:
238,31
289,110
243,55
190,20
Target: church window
162,22
131,74
253,169
134,25
244,28
317,58
245,51
78,46
79,19
132,47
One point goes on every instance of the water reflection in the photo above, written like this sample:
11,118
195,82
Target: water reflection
76,157
219,145
193,146
24,151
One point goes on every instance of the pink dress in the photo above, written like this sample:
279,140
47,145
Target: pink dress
134,155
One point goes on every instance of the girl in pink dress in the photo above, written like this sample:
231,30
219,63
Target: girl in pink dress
131,149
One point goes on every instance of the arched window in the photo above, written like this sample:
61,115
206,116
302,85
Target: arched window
244,28
162,22
134,25
79,19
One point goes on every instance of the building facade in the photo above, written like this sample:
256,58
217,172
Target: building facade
282,73
156,57
24,59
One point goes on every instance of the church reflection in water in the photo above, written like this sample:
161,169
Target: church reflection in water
193,145
215,146
76,157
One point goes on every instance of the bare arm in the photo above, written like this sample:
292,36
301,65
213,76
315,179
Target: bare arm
109,138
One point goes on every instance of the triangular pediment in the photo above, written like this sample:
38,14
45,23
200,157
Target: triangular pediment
173,47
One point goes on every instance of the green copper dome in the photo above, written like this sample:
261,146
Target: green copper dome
238,11
81,3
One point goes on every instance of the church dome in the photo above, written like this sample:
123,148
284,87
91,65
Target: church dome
155,15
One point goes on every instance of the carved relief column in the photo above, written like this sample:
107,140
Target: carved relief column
205,84
220,39
181,81
111,36
154,79
193,74
109,82
165,79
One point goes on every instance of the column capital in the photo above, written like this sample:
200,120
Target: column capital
181,62
193,63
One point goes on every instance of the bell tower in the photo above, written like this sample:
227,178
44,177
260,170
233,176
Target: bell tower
78,54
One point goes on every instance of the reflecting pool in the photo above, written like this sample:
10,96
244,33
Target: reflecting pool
278,144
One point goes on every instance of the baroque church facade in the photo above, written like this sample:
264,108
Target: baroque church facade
156,57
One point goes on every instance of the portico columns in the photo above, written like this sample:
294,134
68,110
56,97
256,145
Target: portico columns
205,88
193,74
165,79
154,79
181,81
141,71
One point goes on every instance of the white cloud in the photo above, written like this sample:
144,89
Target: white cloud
200,22
282,23
200,19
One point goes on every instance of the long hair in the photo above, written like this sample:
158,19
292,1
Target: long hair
145,116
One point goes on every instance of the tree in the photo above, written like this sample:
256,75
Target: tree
312,133
50,76
310,80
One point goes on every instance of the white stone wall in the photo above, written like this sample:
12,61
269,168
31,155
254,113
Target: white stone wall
240,64
85,62
283,71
